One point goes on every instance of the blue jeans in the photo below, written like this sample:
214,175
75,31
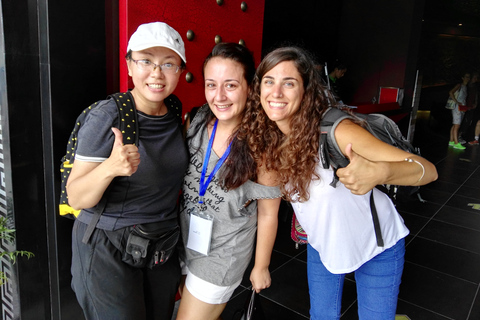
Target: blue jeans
378,282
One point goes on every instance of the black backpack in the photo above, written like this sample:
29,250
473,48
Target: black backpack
128,125
380,126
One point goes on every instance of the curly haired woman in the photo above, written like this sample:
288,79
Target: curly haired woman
283,122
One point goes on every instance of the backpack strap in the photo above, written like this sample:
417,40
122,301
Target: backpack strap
127,115
97,212
376,222
128,125
174,105
330,153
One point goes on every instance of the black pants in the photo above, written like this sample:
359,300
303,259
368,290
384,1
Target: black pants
473,123
108,288
467,122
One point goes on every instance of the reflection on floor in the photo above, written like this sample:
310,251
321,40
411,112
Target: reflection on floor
442,270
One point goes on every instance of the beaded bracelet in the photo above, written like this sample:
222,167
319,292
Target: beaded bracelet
421,165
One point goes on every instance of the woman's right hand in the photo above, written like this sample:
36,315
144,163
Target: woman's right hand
361,175
88,181
260,278
374,162
124,159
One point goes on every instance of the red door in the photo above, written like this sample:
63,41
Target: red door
209,20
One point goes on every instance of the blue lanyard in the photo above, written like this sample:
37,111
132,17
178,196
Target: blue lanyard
204,184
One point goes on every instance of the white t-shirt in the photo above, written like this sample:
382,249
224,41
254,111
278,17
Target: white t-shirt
339,224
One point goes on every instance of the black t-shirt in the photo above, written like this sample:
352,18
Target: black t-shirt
151,193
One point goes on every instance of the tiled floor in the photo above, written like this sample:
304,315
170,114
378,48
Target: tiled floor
441,279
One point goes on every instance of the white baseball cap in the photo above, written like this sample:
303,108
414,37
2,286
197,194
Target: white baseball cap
157,34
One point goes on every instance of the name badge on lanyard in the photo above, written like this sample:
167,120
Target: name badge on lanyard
200,231
201,223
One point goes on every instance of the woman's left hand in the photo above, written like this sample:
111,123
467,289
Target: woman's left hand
260,279
361,175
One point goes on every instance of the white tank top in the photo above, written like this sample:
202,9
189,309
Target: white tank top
339,224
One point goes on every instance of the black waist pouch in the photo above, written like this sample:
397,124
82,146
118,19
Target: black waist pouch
145,244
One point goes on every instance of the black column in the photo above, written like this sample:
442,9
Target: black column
52,66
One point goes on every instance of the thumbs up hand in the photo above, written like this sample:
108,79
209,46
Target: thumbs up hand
361,175
124,159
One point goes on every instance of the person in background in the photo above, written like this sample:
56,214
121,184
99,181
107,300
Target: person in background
284,115
338,71
471,104
143,184
476,133
459,95
227,196
472,96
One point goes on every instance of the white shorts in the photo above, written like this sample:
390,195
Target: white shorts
209,292
457,115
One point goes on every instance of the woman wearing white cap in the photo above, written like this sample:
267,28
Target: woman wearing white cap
143,184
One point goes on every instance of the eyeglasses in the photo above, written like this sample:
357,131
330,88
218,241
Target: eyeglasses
147,65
